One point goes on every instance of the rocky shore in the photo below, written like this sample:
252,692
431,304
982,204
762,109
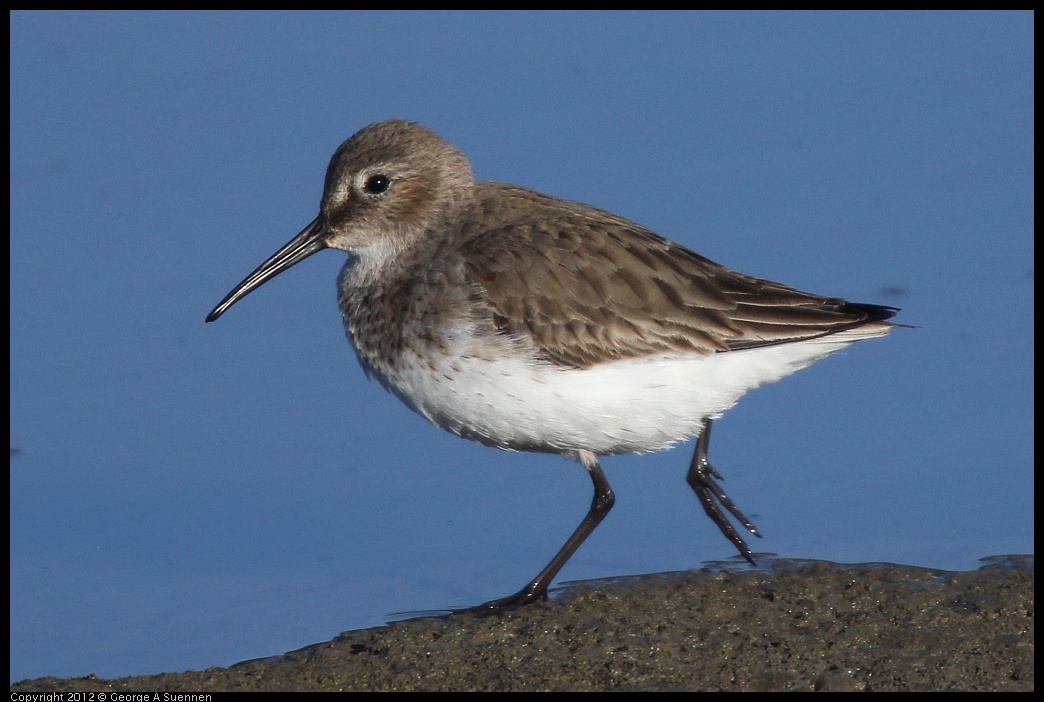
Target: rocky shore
796,625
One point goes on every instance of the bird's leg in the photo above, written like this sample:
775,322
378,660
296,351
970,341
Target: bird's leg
701,478
601,503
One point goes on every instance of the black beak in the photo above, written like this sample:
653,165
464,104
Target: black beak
311,240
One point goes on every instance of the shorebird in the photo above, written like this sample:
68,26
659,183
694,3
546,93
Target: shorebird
531,323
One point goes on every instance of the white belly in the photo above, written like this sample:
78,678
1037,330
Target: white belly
620,407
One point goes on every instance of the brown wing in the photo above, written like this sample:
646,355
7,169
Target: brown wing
586,286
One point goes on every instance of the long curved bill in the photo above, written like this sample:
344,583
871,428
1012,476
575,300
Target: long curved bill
311,240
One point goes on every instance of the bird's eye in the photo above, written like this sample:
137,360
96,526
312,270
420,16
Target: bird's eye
377,184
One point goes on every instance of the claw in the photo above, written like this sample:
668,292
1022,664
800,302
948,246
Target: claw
701,478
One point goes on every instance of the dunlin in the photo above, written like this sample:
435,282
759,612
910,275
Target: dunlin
530,323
